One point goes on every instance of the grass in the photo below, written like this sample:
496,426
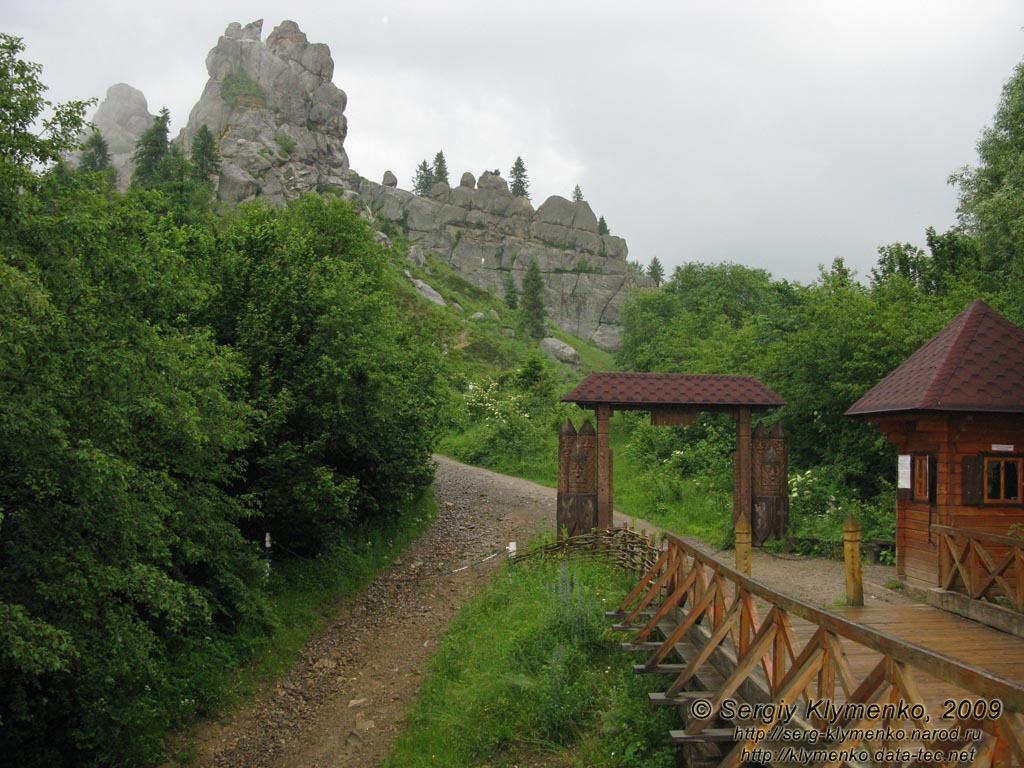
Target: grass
530,668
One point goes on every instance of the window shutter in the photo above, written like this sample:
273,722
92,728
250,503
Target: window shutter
974,480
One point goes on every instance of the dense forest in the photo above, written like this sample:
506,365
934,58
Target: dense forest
179,381
175,384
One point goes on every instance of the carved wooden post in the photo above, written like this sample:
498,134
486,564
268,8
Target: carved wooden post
744,555
604,468
851,556
577,483
770,484
566,444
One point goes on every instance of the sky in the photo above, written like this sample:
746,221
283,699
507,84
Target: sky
777,134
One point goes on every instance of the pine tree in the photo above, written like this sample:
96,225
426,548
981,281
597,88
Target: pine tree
602,227
440,168
531,302
577,194
511,291
151,150
423,179
95,154
520,186
205,160
655,271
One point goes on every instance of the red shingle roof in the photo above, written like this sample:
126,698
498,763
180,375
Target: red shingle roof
641,391
976,363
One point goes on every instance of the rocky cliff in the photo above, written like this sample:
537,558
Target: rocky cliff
278,119
484,232
280,126
121,119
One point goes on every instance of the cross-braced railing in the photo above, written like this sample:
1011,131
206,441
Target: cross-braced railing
808,686
984,566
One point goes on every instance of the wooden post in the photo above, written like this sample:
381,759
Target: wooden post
743,544
604,467
743,475
566,444
851,556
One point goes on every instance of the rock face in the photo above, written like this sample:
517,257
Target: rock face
280,127
277,118
122,118
484,233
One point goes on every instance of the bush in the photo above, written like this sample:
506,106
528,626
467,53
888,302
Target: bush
240,90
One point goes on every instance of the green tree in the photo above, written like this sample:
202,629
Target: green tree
511,290
95,154
440,168
23,146
205,160
531,302
991,206
636,268
151,151
577,194
602,227
423,179
520,182
655,271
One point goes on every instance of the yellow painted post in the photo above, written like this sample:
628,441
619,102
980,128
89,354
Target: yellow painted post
851,556
744,537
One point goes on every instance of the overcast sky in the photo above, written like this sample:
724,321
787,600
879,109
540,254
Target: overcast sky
771,133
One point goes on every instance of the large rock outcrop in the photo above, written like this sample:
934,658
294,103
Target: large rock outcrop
485,232
280,128
122,118
277,118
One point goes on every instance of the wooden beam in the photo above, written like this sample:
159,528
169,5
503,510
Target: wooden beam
743,492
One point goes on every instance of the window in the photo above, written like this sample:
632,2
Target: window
1002,480
921,479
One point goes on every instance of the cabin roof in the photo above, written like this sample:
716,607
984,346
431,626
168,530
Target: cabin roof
643,391
976,363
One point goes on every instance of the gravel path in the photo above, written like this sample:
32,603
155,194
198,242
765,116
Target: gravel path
346,698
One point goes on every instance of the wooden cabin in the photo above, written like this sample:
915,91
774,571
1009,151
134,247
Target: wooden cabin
955,411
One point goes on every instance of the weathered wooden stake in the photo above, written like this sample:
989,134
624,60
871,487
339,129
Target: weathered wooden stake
744,540
851,555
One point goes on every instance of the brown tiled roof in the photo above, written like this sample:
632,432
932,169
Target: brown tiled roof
640,391
976,363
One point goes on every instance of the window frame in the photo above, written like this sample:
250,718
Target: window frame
1003,459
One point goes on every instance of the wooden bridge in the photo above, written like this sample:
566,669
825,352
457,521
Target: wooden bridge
761,677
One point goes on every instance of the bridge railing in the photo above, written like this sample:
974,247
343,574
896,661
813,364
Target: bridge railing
688,594
983,566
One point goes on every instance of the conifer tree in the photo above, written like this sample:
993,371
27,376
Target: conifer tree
577,194
511,291
423,179
151,150
95,154
520,185
531,302
440,168
602,227
655,271
205,160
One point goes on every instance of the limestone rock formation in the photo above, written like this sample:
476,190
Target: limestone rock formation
122,117
277,118
484,232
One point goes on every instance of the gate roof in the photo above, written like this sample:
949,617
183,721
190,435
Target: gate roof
644,391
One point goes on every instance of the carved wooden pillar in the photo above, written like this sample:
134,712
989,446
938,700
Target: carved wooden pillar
576,510
604,468
771,485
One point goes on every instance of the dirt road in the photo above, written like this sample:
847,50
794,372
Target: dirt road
345,700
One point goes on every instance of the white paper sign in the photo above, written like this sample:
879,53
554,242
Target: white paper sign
1007,448
903,478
